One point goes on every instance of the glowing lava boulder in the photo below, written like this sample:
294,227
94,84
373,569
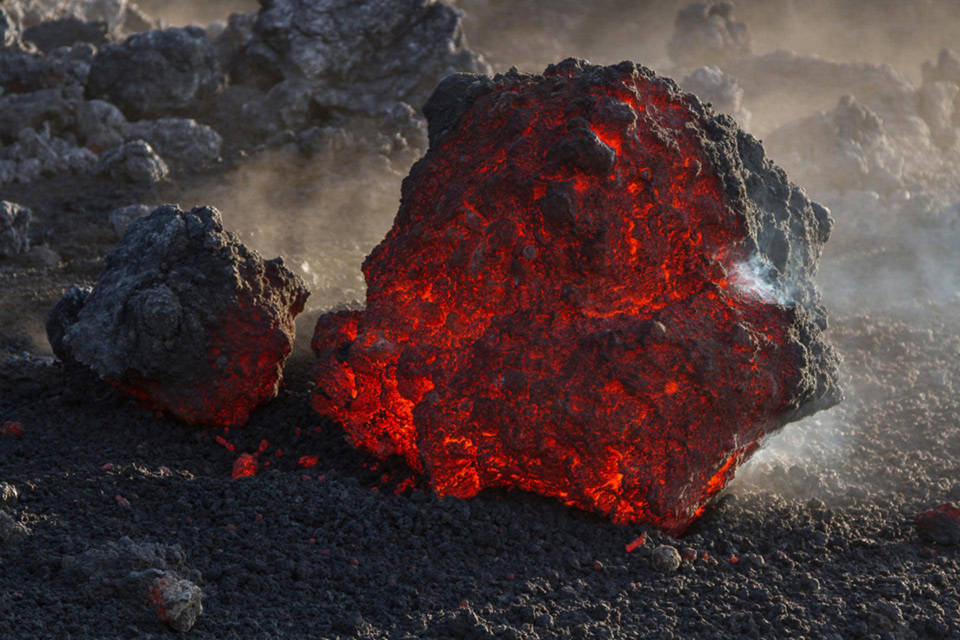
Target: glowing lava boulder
185,318
594,289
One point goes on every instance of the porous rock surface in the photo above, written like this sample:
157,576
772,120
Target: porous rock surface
157,73
184,317
356,54
178,602
594,289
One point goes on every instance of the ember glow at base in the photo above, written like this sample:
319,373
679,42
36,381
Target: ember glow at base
561,305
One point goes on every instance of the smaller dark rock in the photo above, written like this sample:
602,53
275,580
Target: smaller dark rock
665,558
11,532
940,525
135,162
178,602
157,73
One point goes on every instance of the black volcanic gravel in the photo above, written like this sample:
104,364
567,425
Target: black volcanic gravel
330,551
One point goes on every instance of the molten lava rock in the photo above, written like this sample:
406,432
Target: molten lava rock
595,289
184,317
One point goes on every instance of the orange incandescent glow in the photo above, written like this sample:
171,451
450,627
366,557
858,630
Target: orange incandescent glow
553,308
245,466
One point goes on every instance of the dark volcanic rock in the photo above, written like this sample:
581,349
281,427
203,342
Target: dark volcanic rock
135,161
706,33
157,74
12,532
178,602
941,525
186,318
357,54
184,144
594,289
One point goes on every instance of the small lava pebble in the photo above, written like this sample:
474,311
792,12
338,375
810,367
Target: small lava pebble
665,558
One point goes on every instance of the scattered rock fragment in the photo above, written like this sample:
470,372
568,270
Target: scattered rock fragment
184,144
14,229
8,494
940,525
665,558
157,74
135,162
185,318
12,532
178,602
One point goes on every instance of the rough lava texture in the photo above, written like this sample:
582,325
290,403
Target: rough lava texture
157,73
185,318
356,54
594,289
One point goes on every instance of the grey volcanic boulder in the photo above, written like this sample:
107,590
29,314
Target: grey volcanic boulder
135,162
183,143
706,33
178,602
14,227
157,73
185,318
356,54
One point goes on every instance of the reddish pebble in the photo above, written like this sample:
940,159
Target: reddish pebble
308,462
123,502
689,554
734,559
245,466
11,429
637,542
107,467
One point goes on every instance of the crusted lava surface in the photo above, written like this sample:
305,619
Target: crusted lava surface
184,317
595,289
